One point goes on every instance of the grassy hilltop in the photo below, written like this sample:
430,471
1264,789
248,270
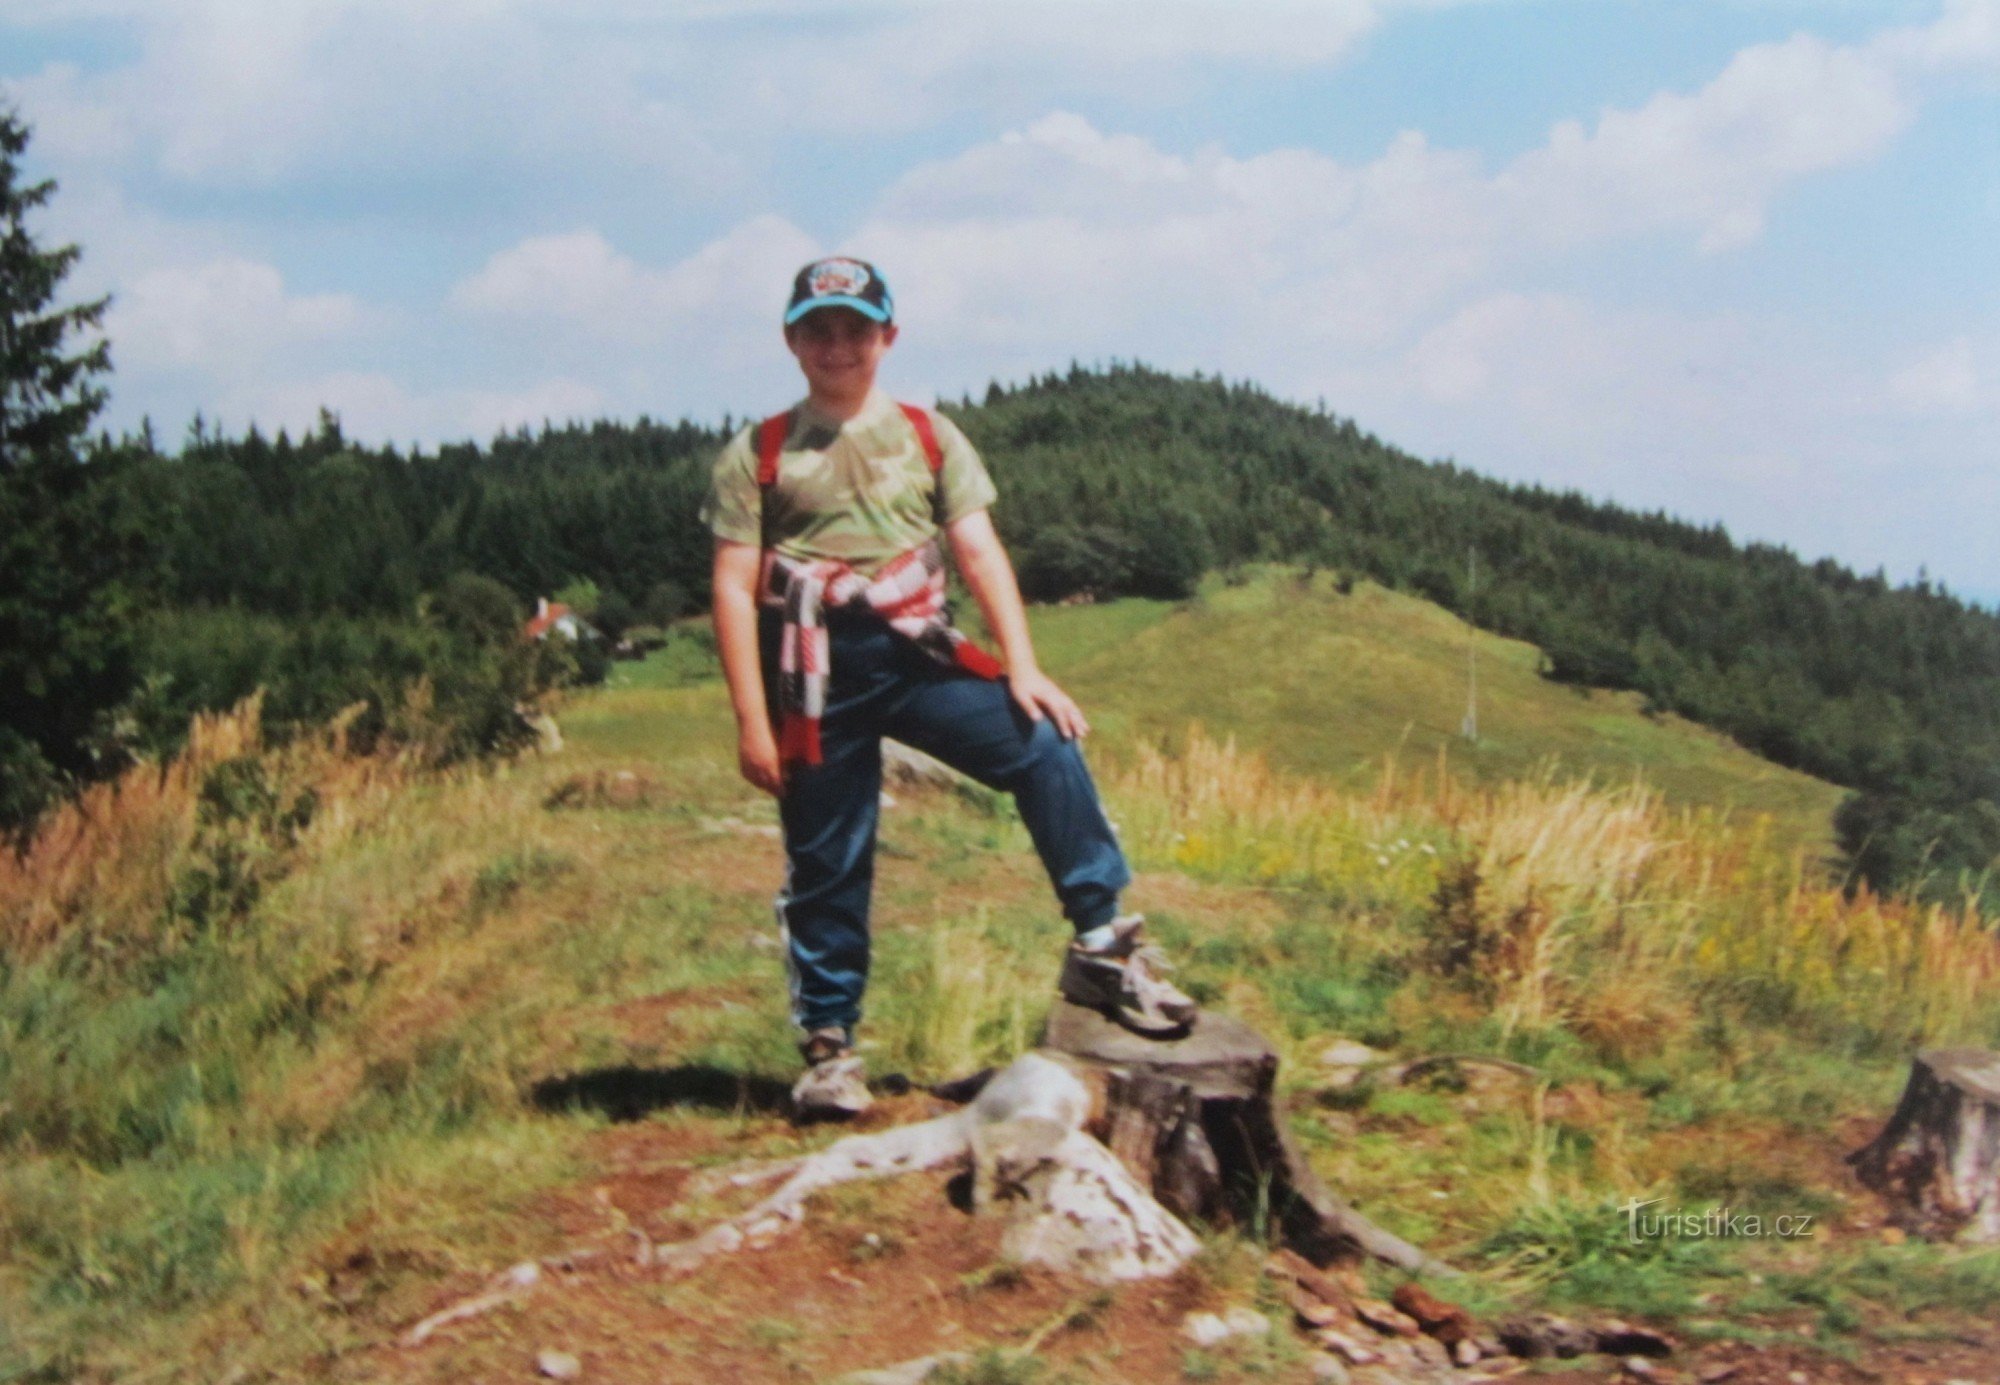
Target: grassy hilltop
1326,684
296,1044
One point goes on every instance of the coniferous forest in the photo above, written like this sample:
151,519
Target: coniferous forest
329,572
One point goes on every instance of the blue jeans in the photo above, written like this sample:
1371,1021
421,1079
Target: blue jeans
882,685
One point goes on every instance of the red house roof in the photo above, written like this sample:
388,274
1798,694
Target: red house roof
545,618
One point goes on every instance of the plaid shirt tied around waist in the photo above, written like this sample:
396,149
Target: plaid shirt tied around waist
907,594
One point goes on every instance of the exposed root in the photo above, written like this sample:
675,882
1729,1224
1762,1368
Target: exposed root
507,1287
1083,1213
908,1149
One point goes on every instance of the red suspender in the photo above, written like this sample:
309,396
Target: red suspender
926,434
771,434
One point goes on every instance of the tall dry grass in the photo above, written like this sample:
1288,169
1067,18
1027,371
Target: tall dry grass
103,867
1566,902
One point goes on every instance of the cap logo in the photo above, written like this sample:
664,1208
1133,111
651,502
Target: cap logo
846,278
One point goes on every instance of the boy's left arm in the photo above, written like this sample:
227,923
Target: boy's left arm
982,561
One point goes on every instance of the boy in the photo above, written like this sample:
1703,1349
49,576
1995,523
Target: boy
830,620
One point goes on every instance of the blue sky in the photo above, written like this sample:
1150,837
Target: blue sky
1734,259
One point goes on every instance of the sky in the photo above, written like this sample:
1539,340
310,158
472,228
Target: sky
1738,260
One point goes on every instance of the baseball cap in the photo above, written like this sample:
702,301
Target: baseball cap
839,282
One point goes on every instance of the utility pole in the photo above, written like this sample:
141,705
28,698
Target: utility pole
1469,728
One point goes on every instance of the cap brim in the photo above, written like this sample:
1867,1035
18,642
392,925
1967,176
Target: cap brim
838,300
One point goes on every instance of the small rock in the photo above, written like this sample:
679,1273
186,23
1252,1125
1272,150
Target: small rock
1312,1311
1544,1334
1353,1350
1431,1351
1384,1318
1799,1378
1346,1053
1328,1370
1447,1322
912,769
1615,1338
1639,1367
1400,1354
558,1365
1465,1352
1722,1370
1345,1062
1203,1329
1207,1329
1246,1322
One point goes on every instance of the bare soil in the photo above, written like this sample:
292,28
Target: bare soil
892,1271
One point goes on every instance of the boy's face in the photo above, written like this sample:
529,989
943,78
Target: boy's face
839,350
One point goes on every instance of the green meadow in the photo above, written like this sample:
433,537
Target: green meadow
1327,685
294,1041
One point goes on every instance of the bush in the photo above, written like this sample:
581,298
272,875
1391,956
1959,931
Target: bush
1580,654
1068,560
665,603
615,614
449,691
478,610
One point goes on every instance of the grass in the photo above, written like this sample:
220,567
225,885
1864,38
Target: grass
1322,685
273,1021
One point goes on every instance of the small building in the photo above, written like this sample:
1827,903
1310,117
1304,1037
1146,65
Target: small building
558,617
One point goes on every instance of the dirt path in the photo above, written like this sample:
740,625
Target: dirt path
888,1272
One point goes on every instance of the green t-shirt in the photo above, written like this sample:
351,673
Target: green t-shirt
859,492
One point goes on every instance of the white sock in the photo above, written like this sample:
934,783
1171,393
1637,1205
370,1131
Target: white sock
1098,938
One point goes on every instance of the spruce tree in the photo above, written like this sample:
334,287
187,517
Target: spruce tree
48,394
66,549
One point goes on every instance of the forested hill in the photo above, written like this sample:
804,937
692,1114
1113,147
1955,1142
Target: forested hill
1129,481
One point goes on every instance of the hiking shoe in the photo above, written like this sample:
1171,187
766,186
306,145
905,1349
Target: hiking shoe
1122,981
833,1086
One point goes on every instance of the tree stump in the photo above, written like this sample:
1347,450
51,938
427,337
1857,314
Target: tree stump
1193,1119
1938,1158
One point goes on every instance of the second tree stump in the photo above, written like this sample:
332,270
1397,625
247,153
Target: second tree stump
1938,1158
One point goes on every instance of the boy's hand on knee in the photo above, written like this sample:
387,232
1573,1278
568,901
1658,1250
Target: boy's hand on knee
757,758
1039,696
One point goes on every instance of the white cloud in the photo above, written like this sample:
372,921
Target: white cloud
73,125
485,412
1945,381
239,95
1708,415
223,315
1105,241
236,94
1714,158
576,275
580,279
1964,37
374,405
1614,391
1060,239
